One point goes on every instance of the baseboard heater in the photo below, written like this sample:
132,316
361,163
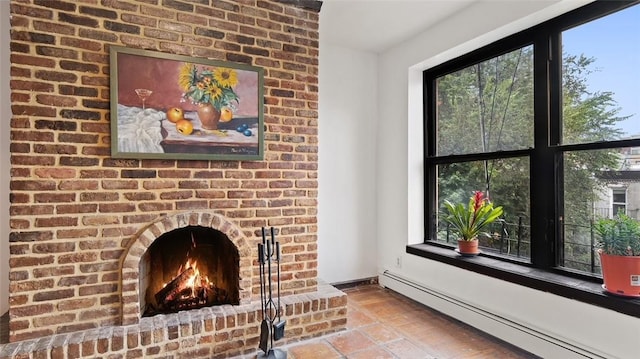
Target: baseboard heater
405,286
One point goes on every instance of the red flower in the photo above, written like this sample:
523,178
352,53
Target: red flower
478,200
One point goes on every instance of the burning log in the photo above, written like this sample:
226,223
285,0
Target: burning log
178,285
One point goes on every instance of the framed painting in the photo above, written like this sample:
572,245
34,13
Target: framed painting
166,106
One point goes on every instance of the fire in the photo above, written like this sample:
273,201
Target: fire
189,288
195,281
192,281
196,273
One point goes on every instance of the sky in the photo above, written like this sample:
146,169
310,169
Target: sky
614,41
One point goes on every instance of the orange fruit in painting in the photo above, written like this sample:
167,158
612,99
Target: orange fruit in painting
226,114
175,114
184,127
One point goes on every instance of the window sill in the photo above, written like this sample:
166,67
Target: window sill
568,287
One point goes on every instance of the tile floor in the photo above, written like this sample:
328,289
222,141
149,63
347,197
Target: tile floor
385,325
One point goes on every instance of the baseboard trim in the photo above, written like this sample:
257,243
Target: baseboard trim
355,283
535,341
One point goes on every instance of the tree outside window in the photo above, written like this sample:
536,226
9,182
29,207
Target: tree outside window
510,116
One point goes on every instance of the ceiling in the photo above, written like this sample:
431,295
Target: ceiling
376,25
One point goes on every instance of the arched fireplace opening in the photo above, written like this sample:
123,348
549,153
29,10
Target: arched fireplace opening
187,268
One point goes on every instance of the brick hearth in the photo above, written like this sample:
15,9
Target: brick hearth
80,219
214,332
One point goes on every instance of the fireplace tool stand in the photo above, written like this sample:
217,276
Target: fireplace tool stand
272,326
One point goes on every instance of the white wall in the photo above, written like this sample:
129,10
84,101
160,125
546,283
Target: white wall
399,186
348,120
5,116
370,182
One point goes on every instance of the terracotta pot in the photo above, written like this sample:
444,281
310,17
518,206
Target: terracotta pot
209,116
621,274
468,247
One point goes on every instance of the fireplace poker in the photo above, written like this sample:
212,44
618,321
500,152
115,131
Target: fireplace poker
278,328
264,325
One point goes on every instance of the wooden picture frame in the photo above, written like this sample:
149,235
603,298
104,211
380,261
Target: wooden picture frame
158,104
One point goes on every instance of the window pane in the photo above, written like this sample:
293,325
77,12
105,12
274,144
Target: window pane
487,107
619,196
601,79
592,181
619,208
508,183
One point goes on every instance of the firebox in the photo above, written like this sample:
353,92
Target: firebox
187,268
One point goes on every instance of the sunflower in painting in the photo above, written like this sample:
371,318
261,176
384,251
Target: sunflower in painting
208,85
225,76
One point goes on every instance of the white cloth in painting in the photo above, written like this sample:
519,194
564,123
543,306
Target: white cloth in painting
139,130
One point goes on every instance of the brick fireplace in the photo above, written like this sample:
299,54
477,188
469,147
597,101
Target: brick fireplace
133,275
187,268
82,222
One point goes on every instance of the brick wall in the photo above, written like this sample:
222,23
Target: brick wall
75,210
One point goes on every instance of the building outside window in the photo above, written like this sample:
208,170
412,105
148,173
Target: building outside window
618,201
544,122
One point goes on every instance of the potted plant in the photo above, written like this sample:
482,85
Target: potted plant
619,250
469,221
211,90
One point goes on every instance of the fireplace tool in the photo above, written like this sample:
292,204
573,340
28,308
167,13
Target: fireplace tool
272,326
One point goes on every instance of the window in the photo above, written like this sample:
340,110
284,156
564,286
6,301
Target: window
533,121
619,201
484,120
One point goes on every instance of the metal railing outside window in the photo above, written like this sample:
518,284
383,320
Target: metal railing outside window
512,240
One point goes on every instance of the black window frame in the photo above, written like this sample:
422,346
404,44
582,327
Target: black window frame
545,165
